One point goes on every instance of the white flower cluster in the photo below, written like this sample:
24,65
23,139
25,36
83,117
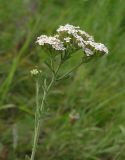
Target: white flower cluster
83,40
72,36
54,42
75,32
97,46
70,29
35,72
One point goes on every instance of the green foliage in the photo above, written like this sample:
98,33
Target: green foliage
96,91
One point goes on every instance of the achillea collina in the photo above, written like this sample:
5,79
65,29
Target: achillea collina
67,40
71,37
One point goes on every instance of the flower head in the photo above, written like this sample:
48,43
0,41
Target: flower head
35,72
98,47
53,42
82,40
75,32
71,38
70,29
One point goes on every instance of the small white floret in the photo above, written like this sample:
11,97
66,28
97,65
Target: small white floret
67,39
88,52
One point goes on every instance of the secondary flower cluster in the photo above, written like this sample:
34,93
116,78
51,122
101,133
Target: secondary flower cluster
51,41
35,72
70,36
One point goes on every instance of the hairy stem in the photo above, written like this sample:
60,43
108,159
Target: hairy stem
39,111
40,108
37,122
36,137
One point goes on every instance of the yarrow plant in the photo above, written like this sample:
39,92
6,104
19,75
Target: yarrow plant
67,40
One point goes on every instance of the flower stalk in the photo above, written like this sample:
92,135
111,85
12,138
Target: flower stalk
40,108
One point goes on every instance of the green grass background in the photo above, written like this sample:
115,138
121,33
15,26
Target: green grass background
96,91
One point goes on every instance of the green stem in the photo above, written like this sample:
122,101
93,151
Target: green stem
39,111
40,108
73,69
52,81
37,101
36,137
37,122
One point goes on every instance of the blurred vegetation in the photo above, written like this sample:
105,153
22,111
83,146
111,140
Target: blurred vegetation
96,91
